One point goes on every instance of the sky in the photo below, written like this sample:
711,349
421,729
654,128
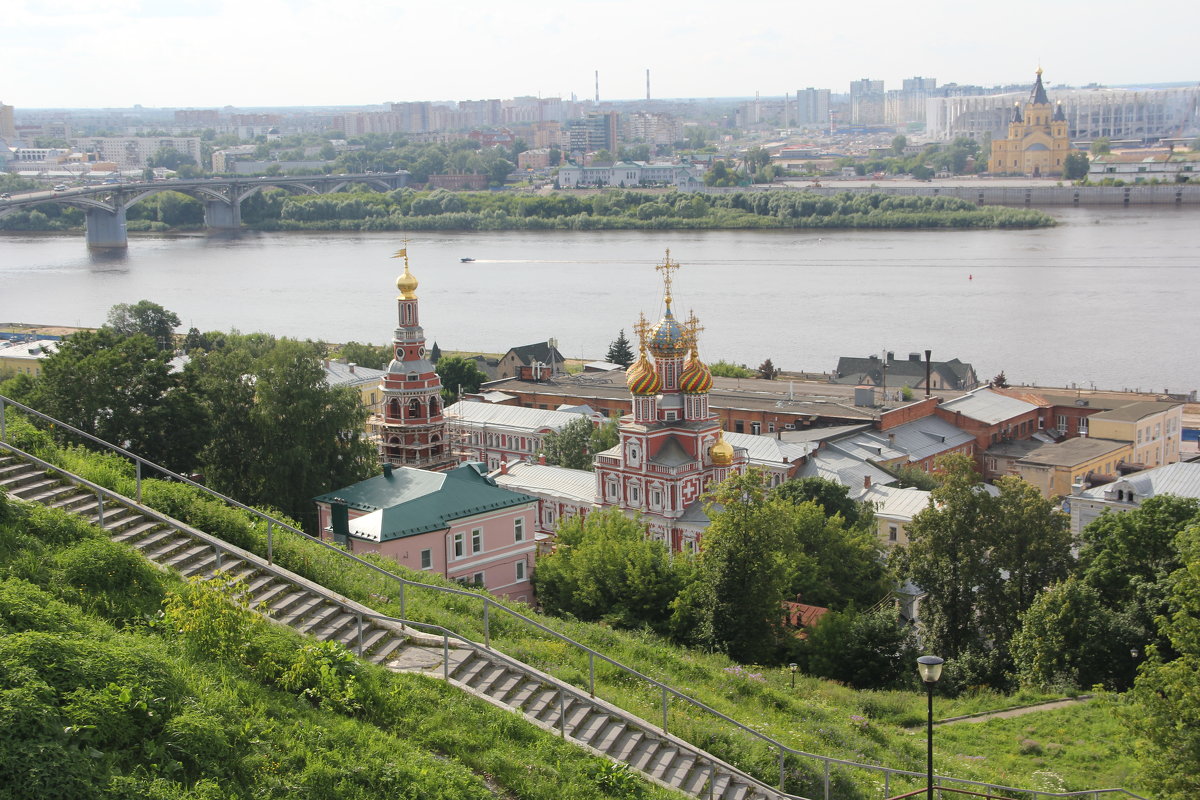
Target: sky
247,53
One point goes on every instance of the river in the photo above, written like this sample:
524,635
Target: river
1108,298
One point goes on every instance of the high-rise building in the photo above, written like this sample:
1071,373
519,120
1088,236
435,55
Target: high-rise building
812,106
411,428
866,102
8,127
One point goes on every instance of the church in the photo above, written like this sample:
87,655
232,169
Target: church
671,447
1037,142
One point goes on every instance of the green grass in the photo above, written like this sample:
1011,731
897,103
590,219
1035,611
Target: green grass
818,716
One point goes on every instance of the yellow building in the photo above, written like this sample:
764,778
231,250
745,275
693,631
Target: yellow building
1153,427
24,358
1037,142
1055,468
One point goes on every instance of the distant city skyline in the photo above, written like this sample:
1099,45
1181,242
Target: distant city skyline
212,53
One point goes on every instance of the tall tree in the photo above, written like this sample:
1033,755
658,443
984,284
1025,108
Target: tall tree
458,374
743,570
605,568
145,317
435,354
767,370
831,496
570,446
1076,165
366,355
620,352
120,389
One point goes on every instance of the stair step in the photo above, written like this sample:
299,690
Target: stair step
201,566
301,610
167,547
485,680
608,734
197,549
348,634
521,694
132,533
466,671
384,653
17,477
371,638
679,769
262,601
280,607
49,493
23,490
696,779
660,765
549,708
577,712
626,744
591,726
334,625
649,751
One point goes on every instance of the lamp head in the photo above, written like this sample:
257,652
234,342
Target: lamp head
793,666
930,668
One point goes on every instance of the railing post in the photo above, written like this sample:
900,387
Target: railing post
665,701
887,783
270,551
360,646
826,780
403,615
782,767
712,779
218,551
446,656
3,434
138,463
99,509
487,628
591,674
562,712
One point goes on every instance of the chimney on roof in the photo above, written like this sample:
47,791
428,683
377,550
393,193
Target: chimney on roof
503,465
892,439
928,369
542,459
352,366
327,363
387,469
866,481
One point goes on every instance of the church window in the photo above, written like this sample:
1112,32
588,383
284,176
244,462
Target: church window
634,495
433,406
394,409
656,499
414,408
412,376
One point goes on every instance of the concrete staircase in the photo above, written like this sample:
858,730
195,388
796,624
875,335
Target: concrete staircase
399,645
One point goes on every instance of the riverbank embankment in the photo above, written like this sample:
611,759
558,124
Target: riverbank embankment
1009,194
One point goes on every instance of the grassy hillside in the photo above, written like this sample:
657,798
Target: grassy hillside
102,695
817,716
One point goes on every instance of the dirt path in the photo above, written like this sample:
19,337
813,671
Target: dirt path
1015,712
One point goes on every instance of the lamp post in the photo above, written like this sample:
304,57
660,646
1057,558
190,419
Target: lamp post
793,667
930,669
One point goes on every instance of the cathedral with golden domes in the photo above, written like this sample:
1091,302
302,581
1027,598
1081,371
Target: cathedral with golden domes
671,447
1038,142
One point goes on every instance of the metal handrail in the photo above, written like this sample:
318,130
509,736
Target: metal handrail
666,691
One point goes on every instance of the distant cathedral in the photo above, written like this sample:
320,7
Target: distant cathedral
671,447
1037,142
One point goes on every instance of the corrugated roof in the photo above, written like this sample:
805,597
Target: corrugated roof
518,418
1181,480
896,503
988,407
768,449
843,469
573,484
339,374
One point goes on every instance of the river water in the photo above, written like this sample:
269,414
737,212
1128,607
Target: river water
1108,298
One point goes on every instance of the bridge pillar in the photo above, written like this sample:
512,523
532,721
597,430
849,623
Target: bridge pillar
222,215
105,228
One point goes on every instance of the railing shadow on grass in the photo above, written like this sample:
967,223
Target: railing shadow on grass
797,769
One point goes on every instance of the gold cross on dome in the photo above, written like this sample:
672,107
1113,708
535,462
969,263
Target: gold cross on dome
693,328
666,268
642,329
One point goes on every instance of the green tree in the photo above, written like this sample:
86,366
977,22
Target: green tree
1101,146
898,144
170,158
366,355
619,352
767,371
726,369
1070,639
982,560
435,354
146,318
605,435
120,389
604,568
1165,712
743,571
459,376
570,446
831,496
872,650
1075,165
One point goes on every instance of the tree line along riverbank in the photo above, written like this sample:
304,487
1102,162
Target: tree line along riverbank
615,209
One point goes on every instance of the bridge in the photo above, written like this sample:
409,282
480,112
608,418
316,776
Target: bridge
104,206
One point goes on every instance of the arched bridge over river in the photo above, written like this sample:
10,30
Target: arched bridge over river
104,206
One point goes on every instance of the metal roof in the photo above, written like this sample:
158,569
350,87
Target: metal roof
844,469
341,374
1135,411
573,484
988,407
1181,479
517,418
768,449
892,502
1070,452
406,501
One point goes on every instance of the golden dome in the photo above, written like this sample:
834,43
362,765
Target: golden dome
642,378
696,377
721,451
407,284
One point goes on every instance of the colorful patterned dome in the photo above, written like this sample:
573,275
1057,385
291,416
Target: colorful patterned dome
722,451
696,377
668,339
642,378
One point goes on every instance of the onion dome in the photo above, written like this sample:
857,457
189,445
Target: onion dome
721,452
406,283
642,378
696,377
668,339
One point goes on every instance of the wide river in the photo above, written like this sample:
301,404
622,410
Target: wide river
1110,297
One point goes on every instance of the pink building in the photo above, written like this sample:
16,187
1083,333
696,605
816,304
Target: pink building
458,523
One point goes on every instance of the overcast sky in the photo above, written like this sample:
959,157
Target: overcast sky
211,53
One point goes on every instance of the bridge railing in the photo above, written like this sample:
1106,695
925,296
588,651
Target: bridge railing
667,694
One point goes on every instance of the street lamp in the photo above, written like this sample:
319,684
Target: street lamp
930,668
793,667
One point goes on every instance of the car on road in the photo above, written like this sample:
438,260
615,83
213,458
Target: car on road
62,187
5,196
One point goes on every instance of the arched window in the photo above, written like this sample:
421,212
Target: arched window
394,409
414,408
433,406
393,447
